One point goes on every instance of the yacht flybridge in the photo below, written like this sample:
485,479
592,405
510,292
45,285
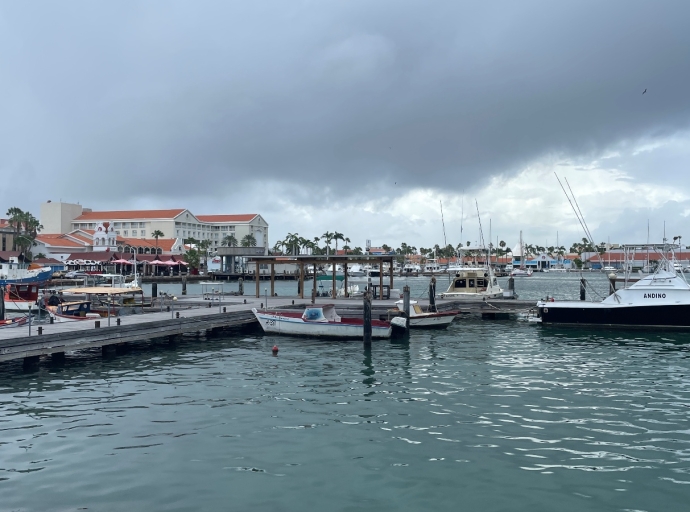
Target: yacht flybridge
473,283
661,299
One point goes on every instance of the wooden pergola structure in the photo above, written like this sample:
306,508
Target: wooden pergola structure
315,261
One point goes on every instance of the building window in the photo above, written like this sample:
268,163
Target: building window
126,232
134,232
178,232
117,232
142,224
231,228
118,225
143,234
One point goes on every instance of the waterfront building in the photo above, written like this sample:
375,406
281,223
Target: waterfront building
134,227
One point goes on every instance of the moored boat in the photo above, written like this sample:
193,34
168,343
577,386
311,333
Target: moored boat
72,311
318,321
423,319
14,273
658,300
473,283
21,298
14,322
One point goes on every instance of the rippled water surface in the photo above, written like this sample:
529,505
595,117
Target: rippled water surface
484,416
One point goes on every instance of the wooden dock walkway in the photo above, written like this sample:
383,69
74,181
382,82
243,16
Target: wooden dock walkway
58,338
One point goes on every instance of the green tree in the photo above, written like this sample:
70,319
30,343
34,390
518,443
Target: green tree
328,238
229,241
192,255
157,234
203,250
15,218
248,241
357,251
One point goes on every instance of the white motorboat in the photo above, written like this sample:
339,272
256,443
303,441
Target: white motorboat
521,272
355,270
411,268
318,321
423,319
658,300
432,266
473,283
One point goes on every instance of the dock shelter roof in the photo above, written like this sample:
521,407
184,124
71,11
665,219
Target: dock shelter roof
100,290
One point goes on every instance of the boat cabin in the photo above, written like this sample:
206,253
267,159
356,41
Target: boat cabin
472,282
76,308
21,292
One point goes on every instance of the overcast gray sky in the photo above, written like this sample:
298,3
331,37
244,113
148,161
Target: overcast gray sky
356,116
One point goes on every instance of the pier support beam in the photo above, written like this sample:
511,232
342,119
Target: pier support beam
432,295
184,285
256,276
240,284
390,277
313,295
57,357
300,287
367,317
345,281
273,280
31,361
380,280
582,289
406,308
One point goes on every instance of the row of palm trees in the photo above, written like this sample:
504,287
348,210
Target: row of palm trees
294,244
26,227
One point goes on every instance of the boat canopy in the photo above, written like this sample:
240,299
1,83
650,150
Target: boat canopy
321,314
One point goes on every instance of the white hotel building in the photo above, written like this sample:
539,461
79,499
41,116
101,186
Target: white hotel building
133,228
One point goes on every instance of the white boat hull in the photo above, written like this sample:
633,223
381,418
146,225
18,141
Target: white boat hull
275,323
20,306
424,322
472,296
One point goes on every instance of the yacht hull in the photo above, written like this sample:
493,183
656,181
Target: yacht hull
667,316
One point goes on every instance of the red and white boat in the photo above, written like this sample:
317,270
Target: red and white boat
21,298
420,319
319,321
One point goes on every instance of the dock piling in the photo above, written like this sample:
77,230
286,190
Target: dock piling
582,289
184,285
367,317
432,295
154,290
406,307
240,282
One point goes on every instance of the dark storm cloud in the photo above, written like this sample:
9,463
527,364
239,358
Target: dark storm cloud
188,99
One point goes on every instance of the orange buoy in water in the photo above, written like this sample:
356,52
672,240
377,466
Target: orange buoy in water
275,349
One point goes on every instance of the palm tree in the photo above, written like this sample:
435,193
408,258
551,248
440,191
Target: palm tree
203,249
157,234
328,237
15,218
229,241
248,241
338,236
357,251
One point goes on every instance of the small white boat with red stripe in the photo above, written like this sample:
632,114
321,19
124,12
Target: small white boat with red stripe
420,319
320,322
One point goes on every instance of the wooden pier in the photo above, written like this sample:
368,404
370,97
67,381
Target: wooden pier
194,316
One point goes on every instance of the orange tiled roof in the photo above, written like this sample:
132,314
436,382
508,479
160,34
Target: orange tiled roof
130,214
227,218
57,240
163,243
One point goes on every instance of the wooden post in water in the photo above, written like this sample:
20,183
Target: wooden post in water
380,279
333,287
511,285
300,283
367,317
2,303
273,280
154,291
240,283
345,281
256,276
406,308
184,285
313,293
432,295
582,289
390,277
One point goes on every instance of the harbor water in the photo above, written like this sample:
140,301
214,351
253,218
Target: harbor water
487,415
